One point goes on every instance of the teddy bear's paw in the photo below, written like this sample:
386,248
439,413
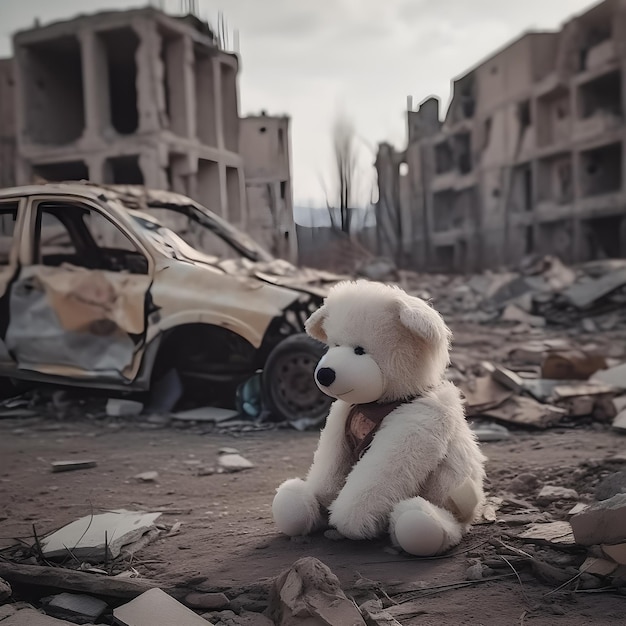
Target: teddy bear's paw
354,523
419,533
295,508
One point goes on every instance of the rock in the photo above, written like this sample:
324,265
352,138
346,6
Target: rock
76,606
599,567
254,602
70,466
147,477
156,608
211,601
611,486
31,617
233,463
117,407
602,522
513,313
552,533
5,590
489,431
309,593
615,376
474,572
228,451
552,493
524,483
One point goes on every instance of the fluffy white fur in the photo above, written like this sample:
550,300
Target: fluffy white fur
422,453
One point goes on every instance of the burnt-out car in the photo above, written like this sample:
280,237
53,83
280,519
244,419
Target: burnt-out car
114,287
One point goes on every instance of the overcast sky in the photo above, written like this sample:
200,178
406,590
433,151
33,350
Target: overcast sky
313,59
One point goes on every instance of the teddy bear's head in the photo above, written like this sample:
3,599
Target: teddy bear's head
384,344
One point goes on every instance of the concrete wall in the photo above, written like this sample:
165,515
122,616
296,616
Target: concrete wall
265,146
7,123
545,168
131,97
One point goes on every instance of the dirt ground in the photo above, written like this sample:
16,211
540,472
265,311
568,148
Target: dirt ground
228,541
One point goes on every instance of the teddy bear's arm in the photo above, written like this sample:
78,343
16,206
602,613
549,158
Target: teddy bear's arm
406,449
331,461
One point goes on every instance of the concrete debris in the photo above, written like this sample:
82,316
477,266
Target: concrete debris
233,463
557,534
376,615
70,466
5,590
117,407
489,431
615,376
571,365
617,552
156,608
610,486
206,414
601,523
619,423
525,411
207,601
77,608
599,567
552,493
94,538
309,593
584,294
147,477
31,617
513,313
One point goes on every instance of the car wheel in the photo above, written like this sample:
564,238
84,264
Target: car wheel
289,389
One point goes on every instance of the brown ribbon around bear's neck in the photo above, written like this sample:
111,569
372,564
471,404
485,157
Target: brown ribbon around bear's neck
374,413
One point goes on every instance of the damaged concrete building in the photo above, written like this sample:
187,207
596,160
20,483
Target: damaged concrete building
140,97
529,159
265,148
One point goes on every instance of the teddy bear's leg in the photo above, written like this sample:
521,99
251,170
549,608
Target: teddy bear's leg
295,508
422,528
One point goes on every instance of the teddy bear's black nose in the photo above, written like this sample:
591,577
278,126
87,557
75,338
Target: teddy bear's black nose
326,376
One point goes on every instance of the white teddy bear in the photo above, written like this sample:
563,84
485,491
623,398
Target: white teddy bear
396,453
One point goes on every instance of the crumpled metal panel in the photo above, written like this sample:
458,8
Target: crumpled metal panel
75,317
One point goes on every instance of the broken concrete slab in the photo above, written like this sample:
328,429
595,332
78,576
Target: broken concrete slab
483,393
504,376
590,388
70,466
32,617
233,463
77,608
514,313
206,414
614,376
91,536
309,593
584,294
616,552
553,493
619,423
602,522
599,567
558,534
526,412
206,601
156,608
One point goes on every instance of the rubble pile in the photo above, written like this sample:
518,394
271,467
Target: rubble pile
544,291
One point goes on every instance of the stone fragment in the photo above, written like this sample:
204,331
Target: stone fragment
233,463
156,608
209,601
117,407
89,536
599,567
75,606
577,508
524,483
69,466
611,486
5,590
552,493
147,477
31,617
614,376
553,533
474,572
308,594
616,552
602,522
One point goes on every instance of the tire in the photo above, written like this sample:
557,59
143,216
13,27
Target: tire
288,387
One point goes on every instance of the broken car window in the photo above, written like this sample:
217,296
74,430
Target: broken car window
8,216
74,234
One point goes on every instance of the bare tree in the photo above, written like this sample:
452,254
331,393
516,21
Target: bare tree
342,197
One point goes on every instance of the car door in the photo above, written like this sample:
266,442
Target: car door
9,243
78,308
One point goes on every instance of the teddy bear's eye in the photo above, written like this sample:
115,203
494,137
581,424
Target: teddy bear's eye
359,350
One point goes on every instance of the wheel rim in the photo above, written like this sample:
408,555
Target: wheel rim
294,391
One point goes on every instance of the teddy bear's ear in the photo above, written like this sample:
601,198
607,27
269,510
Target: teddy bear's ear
314,326
422,320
